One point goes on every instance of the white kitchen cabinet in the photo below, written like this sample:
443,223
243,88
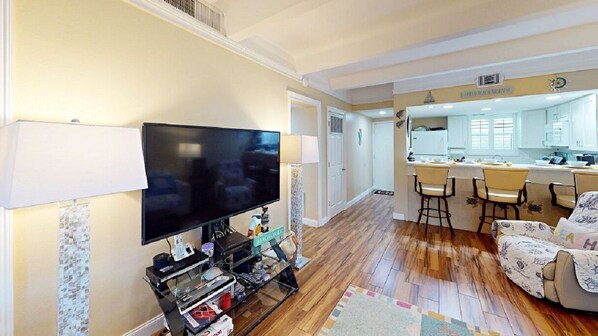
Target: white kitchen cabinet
583,133
532,129
457,131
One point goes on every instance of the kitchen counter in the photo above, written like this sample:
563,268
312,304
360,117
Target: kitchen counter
465,209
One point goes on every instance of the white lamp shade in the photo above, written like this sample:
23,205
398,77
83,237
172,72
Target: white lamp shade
43,162
299,149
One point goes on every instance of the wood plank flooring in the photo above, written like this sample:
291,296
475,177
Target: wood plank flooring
458,276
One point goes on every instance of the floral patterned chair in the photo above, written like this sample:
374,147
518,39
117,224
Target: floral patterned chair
560,264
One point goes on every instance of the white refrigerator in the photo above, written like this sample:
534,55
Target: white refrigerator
430,144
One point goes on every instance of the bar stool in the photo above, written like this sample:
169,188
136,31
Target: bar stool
431,181
565,196
502,186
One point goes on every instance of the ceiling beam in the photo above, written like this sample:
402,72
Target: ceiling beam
566,41
435,38
246,18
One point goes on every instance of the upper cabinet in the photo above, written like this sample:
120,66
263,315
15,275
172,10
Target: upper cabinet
583,133
558,113
532,129
457,131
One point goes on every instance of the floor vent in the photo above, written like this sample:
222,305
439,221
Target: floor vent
202,12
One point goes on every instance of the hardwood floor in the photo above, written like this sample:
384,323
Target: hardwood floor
457,276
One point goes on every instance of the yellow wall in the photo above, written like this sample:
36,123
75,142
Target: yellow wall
107,62
579,80
373,106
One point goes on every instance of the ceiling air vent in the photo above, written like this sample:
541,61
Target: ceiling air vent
489,80
202,12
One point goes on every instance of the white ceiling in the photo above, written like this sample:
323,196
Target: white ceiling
344,46
503,105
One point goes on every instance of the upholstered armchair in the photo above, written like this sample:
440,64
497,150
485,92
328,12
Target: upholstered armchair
560,264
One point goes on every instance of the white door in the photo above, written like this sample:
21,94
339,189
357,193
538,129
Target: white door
336,170
383,164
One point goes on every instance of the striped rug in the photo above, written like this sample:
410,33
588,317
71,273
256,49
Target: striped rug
363,312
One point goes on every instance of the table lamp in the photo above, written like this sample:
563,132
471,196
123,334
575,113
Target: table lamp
298,150
42,162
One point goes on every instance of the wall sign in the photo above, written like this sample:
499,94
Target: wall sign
503,90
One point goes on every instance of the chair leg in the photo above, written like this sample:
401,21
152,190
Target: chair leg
516,212
493,211
483,217
439,214
421,210
427,210
427,214
448,216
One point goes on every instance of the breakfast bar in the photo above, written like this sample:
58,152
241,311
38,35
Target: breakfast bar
466,209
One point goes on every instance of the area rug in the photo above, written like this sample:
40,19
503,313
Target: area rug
384,192
363,312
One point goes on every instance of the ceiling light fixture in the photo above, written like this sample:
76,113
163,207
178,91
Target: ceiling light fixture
431,107
553,97
382,112
448,106
487,109
497,100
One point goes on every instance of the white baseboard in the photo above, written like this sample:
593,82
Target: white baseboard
148,328
324,220
399,216
310,222
359,197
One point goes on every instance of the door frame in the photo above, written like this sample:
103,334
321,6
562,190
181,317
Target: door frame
373,145
335,110
297,97
6,222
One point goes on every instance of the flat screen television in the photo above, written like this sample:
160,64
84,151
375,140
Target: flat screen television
199,175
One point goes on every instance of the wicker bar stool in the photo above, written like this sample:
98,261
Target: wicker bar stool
501,186
432,181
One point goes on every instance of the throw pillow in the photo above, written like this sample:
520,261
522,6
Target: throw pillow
571,235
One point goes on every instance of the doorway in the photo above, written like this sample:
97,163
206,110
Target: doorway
337,191
305,117
383,158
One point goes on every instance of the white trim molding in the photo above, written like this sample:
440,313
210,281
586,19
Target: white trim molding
399,216
183,20
6,224
310,222
170,14
148,328
359,197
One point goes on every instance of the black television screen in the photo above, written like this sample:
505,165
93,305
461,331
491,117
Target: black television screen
197,175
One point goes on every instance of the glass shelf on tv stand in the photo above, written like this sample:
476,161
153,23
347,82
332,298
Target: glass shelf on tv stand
188,290
259,301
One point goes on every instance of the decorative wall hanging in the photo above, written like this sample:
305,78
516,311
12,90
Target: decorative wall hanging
558,83
429,99
400,115
359,136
